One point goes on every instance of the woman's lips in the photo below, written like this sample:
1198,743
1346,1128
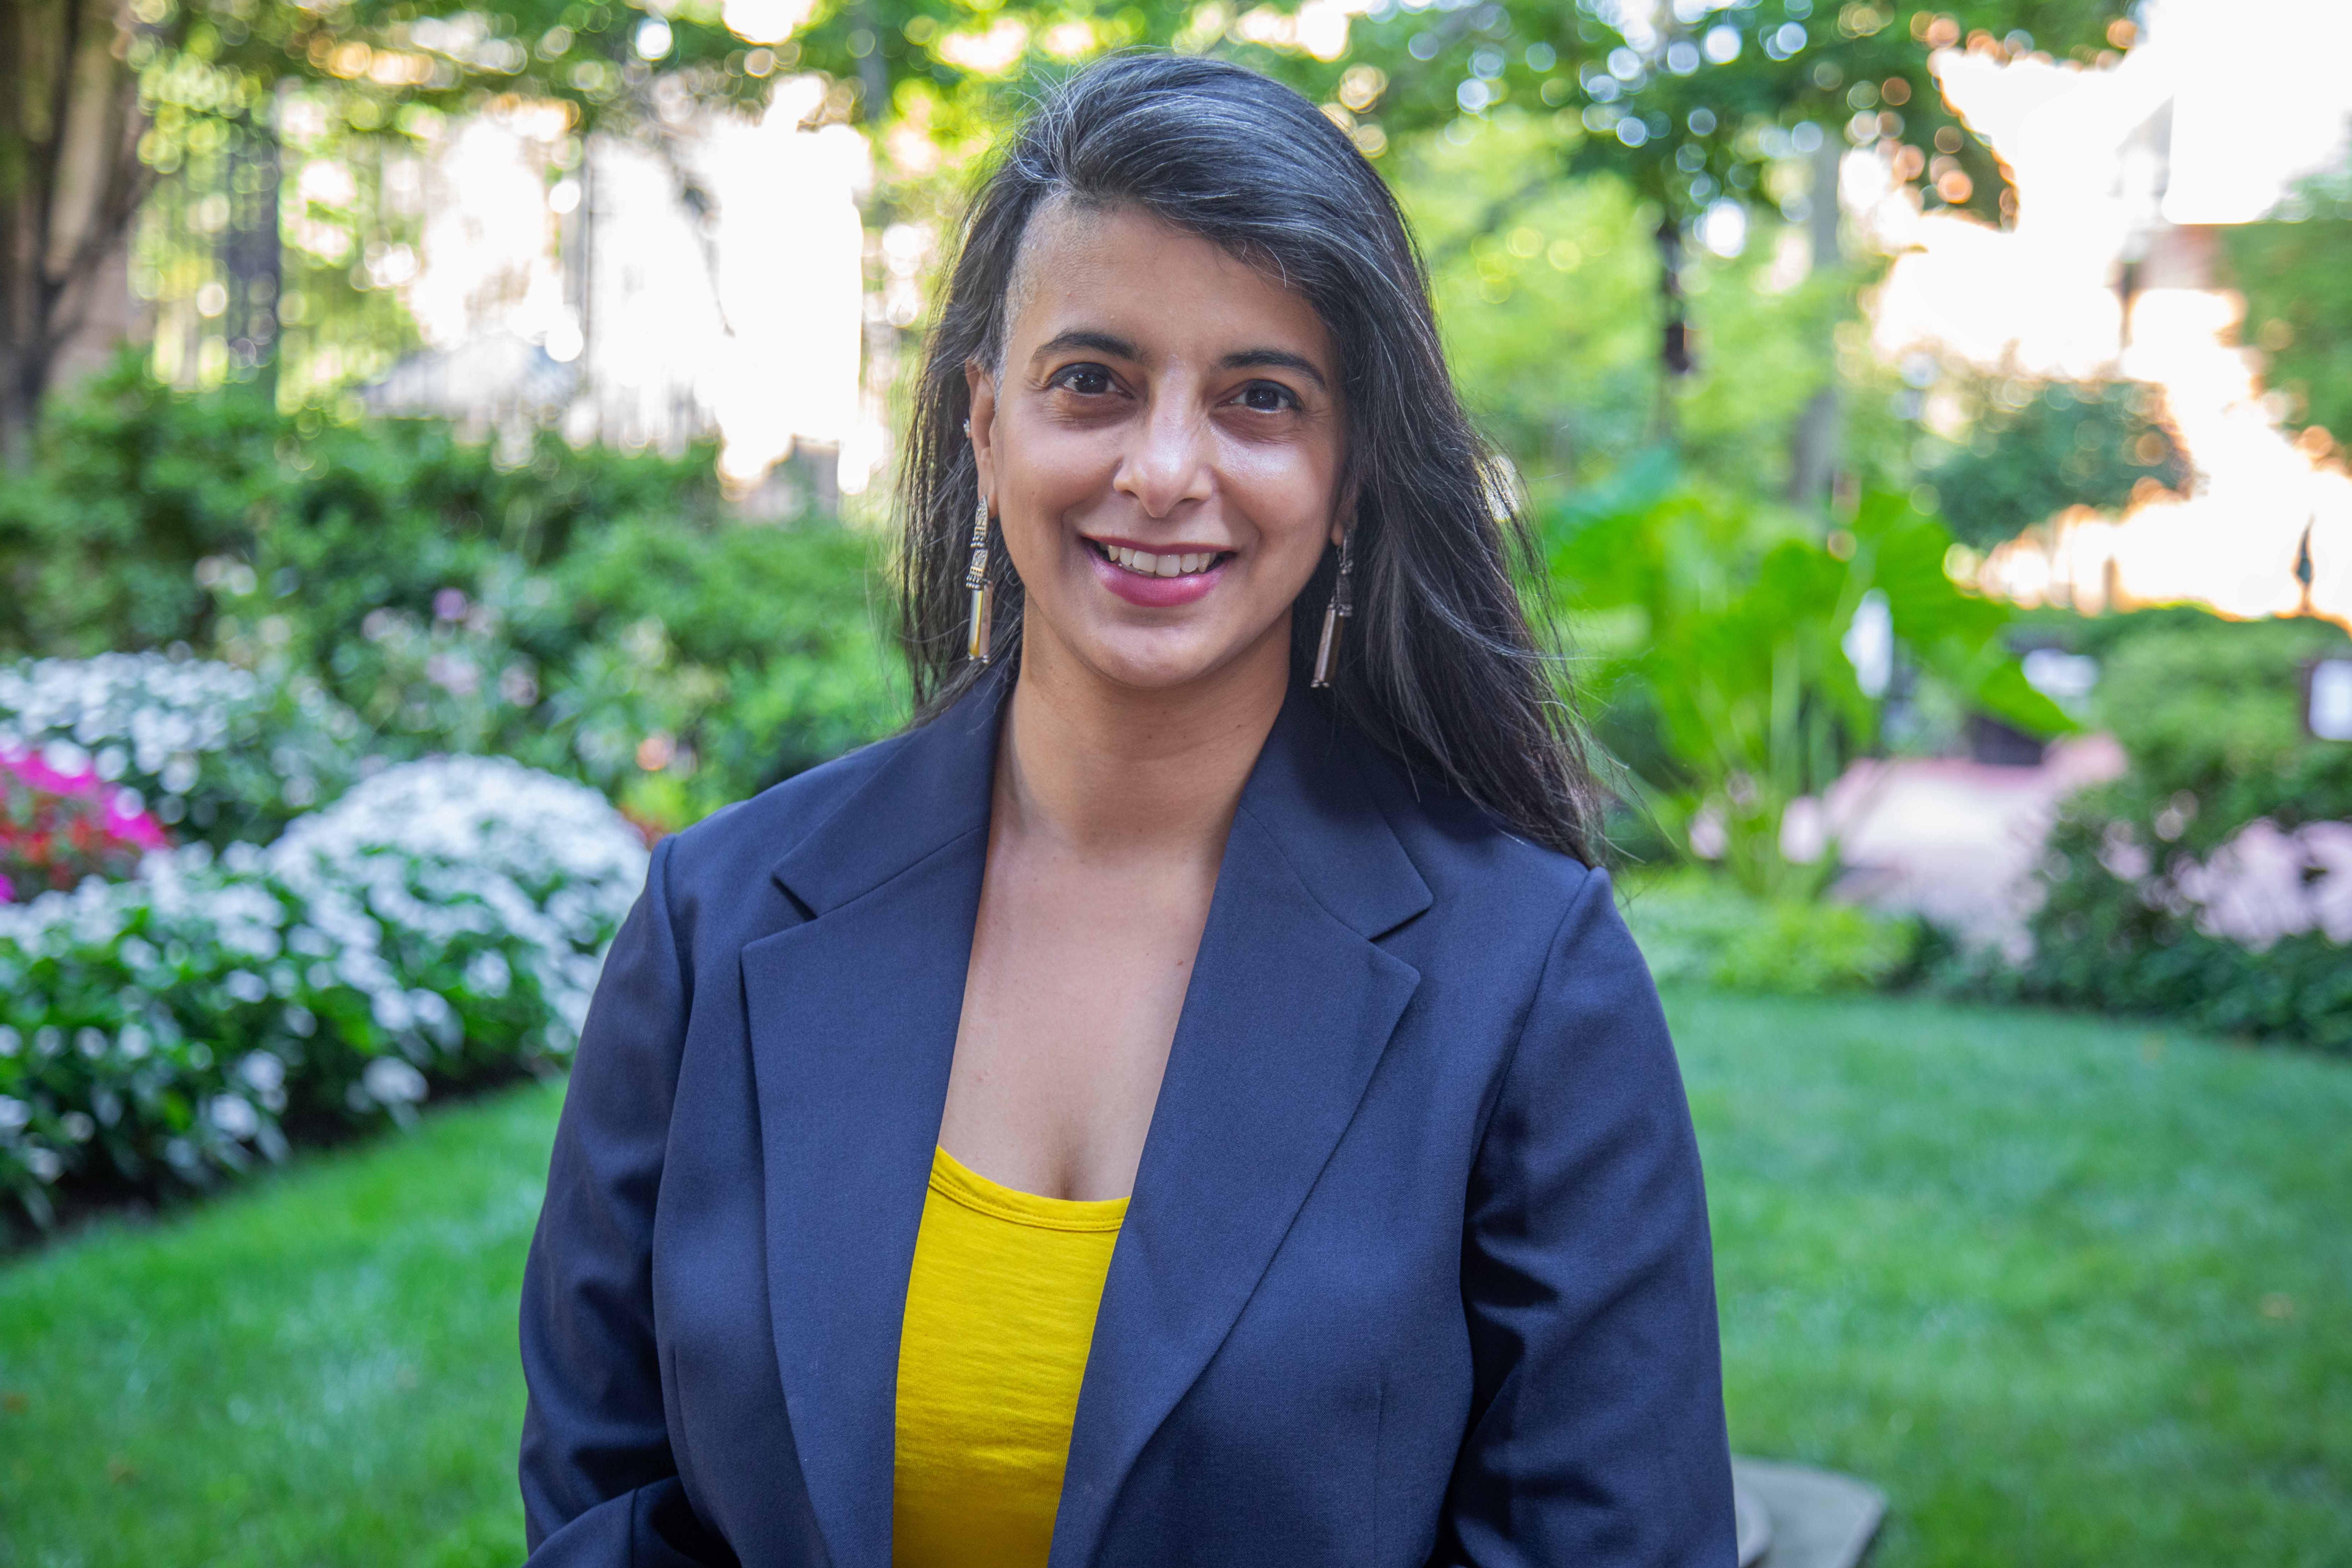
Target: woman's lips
1152,590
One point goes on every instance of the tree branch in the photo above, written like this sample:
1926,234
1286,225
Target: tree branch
61,86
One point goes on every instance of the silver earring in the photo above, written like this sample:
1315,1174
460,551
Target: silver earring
976,583
1343,603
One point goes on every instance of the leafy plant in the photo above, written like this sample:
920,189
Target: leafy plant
1715,631
1695,928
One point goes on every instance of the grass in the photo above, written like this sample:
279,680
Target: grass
319,1369
2072,1293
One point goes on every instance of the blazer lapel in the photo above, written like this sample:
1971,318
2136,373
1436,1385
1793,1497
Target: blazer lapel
1289,1009
853,1019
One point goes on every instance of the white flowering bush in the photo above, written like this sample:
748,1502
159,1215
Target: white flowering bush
442,922
213,750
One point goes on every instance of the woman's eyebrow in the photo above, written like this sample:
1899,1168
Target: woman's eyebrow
1274,359
1085,338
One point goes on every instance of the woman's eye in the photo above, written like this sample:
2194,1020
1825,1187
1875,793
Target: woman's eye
1267,398
1086,380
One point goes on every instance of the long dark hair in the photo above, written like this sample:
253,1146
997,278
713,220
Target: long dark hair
1439,665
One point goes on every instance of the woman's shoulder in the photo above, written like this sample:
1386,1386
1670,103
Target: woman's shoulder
735,848
1466,852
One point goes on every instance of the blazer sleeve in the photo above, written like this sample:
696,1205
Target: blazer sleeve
600,1486
1596,1434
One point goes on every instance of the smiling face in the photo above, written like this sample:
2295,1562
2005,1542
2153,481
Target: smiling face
1163,448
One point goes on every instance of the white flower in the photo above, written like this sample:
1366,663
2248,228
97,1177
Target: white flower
392,1010
391,1082
234,1115
486,973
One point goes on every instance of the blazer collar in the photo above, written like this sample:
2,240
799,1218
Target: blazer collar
1307,790
933,789
852,1016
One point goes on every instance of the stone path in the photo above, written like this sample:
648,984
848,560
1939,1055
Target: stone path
1792,1516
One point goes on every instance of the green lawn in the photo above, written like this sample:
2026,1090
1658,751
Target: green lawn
2070,1292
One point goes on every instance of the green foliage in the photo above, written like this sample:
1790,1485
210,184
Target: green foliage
1698,928
2209,714
1551,316
1683,111
591,612
2036,451
1713,631
135,484
2299,298
139,485
390,59
2213,708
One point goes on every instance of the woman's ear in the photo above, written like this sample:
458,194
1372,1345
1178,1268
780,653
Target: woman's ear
980,426
1343,516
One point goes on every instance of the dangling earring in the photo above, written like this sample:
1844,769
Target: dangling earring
1343,603
976,583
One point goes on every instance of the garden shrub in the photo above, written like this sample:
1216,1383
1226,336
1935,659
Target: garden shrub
2133,916
442,923
213,751
591,612
137,483
1698,927
674,665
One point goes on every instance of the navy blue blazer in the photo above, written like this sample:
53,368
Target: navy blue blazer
1417,1269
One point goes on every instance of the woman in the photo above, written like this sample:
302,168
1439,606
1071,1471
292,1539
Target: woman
1188,1100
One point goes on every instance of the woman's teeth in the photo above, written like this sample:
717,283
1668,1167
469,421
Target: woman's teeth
1150,565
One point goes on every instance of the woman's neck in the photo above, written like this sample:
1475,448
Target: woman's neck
1110,772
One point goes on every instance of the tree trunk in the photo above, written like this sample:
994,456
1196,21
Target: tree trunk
1814,443
70,182
1675,359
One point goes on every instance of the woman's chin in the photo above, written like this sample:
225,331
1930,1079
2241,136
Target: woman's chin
1163,659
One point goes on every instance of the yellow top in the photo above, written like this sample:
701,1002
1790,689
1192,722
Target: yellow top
1000,1314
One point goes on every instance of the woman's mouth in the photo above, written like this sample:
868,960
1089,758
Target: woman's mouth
1157,579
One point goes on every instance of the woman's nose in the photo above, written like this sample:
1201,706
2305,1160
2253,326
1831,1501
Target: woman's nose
1166,462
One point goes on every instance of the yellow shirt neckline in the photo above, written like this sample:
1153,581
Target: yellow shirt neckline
960,1183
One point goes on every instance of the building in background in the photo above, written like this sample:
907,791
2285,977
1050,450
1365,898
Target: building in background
708,283
2123,176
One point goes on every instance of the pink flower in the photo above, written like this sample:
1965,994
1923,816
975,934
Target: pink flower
57,827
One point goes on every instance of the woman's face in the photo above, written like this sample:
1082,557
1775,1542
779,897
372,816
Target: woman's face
1163,448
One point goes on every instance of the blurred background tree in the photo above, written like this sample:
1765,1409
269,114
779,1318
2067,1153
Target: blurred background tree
97,98
2035,450
1693,110
2295,273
